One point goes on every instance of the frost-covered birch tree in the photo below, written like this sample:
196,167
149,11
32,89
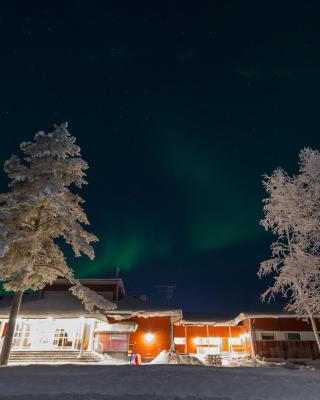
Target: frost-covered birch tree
292,213
38,209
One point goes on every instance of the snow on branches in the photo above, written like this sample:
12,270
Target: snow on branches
40,208
91,300
292,212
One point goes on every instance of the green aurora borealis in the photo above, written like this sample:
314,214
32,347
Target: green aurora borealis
202,218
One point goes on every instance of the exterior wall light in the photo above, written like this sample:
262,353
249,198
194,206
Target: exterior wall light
148,337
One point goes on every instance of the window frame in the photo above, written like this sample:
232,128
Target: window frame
293,333
272,336
179,341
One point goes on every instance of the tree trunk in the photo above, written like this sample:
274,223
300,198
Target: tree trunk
15,306
315,330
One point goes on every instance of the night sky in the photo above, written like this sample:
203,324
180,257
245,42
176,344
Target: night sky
179,108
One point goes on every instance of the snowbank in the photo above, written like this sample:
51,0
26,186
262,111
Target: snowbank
156,382
170,357
162,358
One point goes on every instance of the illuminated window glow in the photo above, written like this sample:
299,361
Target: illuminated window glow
179,340
216,341
234,341
48,334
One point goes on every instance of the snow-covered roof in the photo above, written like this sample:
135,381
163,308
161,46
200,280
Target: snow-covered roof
94,284
53,304
199,319
243,316
131,306
220,320
127,327
64,304
120,316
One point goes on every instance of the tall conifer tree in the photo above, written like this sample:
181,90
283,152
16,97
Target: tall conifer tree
38,210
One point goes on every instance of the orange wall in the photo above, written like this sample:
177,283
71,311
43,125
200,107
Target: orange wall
159,327
190,332
179,331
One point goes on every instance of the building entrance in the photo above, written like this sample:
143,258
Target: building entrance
47,334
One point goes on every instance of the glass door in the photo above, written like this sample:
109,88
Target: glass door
47,334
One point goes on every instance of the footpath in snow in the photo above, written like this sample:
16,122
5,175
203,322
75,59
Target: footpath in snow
158,382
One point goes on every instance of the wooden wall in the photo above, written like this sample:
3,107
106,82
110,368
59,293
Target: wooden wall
190,332
282,324
283,349
159,327
287,349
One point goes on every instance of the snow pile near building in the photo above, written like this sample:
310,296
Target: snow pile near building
254,362
109,360
162,358
170,357
246,361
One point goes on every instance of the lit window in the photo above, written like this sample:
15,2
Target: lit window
216,341
293,336
267,336
179,340
234,341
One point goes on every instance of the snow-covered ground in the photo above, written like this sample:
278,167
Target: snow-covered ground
158,382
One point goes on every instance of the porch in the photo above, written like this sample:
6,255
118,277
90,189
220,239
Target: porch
67,339
49,334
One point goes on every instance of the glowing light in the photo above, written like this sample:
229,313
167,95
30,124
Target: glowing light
148,337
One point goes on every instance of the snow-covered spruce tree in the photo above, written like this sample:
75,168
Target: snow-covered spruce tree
38,209
292,213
